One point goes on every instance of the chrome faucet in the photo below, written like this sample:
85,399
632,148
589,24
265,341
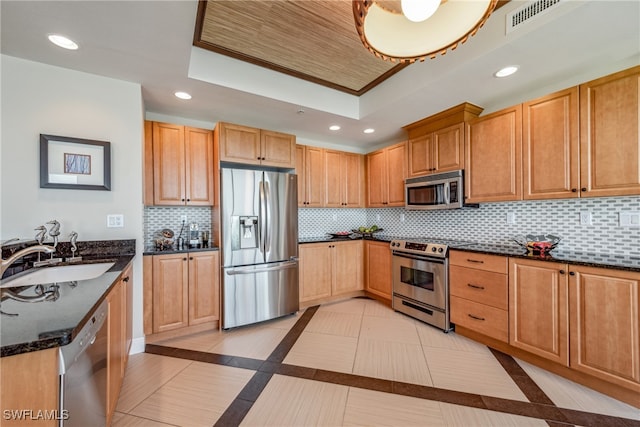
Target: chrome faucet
26,251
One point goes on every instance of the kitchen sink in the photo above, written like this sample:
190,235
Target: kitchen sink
63,273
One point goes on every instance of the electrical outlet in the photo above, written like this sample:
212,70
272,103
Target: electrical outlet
115,221
402,217
183,218
586,218
378,217
511,218
335,217
629,219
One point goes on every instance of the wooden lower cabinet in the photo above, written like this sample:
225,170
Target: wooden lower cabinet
605,324
538,308
330,269
29,381
185,290
378,268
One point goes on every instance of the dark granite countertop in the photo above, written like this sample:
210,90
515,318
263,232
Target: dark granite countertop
613,261
152,250
49,324
328,238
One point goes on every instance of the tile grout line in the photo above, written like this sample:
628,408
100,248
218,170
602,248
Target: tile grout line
238,409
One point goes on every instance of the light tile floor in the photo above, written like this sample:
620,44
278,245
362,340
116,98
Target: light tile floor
357,336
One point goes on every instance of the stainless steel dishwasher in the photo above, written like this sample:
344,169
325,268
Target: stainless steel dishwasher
83,374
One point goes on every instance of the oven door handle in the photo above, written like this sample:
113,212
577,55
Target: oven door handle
419,258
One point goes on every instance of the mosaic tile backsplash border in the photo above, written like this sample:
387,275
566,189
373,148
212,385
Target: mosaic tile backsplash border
486,224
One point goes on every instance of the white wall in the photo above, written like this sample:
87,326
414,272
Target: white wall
38,98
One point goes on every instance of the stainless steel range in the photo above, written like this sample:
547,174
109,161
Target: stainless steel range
421,279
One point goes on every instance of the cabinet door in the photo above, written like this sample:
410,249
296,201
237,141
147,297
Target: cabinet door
604,322
315,271
494,157
610,135
378,265
168,164
199,166
315,176
147,197
352,167
204,287
302,174
348,267
538,308
420,154
396,173
240,144
550,146
170,292
335,185
448,149
377,179
277,149
115,346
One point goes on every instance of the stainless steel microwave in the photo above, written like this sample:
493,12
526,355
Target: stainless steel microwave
436,191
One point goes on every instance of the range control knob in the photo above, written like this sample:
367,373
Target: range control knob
440,250
433,249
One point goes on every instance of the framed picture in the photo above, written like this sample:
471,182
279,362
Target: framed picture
74,163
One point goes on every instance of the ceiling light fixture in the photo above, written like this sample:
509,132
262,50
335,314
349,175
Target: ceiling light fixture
506,71
419,10
63,42
388,33
334,127
182,95
369,130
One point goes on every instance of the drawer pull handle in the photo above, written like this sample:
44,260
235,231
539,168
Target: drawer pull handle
475,286
476,317
475,260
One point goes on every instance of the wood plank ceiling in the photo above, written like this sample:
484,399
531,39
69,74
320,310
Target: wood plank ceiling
312,40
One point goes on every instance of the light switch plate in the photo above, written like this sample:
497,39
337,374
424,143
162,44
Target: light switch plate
511,218
629,219
115,221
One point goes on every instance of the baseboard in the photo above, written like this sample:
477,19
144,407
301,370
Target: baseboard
137,345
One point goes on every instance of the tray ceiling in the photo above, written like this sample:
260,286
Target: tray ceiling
312,40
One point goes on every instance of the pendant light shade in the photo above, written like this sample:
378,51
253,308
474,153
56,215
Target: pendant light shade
390,35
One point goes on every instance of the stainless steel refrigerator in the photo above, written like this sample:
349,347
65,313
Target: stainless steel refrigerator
259,225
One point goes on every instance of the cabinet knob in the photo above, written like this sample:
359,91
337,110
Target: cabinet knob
574,190
571,273
561,271
188,200
182,200
583,189
190,258
184,259
126,279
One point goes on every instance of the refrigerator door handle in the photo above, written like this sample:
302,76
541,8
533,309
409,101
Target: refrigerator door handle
263,217
267,239
279,266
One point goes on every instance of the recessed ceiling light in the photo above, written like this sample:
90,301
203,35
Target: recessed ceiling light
63,41
369,130
506,71
334,127
182,95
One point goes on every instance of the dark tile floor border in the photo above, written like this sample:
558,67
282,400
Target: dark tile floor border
539,406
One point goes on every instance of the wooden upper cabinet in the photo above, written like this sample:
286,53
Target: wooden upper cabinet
251,146
310,168
386,171
344,174
550,154
277,149
436,143
182,165
610,135
494,157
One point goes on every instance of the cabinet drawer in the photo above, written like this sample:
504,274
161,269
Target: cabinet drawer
495,263
485,287
481,318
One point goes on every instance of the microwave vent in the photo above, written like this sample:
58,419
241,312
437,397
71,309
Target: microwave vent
528,12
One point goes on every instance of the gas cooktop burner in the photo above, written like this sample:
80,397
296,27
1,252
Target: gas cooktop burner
426,246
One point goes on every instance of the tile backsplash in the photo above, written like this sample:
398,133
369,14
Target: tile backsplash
157,218
488,223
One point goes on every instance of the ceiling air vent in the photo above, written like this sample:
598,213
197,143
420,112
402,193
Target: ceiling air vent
528,12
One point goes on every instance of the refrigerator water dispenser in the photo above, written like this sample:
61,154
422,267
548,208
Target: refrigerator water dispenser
245,232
